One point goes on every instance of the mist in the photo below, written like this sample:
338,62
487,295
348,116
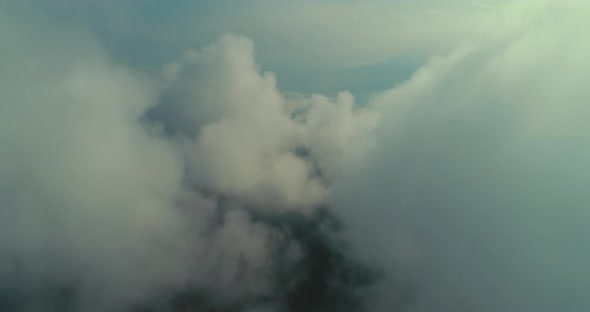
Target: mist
152,160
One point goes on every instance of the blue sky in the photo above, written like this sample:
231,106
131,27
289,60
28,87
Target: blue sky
321,60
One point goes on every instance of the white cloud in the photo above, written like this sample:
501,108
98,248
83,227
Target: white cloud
95,195
87,190
467,179
244,141
476,184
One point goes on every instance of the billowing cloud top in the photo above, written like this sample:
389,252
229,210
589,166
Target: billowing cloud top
153,159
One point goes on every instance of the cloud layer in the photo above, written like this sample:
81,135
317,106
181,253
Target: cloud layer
121,187
185,179
477,182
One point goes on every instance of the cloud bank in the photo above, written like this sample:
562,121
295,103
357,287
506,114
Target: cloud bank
192,182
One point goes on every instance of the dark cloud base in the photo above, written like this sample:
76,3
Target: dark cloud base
324,277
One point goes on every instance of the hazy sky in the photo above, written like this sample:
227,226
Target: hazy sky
258,155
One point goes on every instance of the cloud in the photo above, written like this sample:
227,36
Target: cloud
123,188
307,43
475,187
248,140
242,137
159,168
87,189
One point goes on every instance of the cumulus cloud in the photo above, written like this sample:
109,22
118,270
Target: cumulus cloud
121,187
242,137
183,178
